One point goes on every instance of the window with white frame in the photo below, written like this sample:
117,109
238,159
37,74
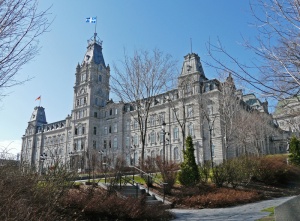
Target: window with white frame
152,154
191,129
189,111
175,133
175,115
176,153
152,137
135,124
115,128
105,130
135,139
152,120
161,118
115,144
127,126
127,142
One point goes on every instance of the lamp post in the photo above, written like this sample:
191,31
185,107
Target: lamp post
101,152
43,158
163,127
104,172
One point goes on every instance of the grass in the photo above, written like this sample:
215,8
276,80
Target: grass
270,216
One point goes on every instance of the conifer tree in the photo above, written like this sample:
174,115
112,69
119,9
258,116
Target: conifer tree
189,174
294,156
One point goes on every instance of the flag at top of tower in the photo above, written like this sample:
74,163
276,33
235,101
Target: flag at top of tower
91,20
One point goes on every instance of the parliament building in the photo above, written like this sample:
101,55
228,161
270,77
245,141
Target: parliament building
97,126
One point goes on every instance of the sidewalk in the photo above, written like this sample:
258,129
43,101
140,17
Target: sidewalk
247,212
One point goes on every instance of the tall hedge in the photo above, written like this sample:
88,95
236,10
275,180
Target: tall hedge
294,156
189,174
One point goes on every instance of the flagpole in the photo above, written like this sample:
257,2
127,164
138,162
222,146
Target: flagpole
40,100
96,25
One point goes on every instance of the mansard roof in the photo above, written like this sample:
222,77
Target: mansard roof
94,51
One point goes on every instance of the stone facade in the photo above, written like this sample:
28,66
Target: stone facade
99,127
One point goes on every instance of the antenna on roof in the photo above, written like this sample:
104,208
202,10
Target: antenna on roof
191,45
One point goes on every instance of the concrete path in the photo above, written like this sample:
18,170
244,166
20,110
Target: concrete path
247,212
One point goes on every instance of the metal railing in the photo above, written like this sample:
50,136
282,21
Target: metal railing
149,176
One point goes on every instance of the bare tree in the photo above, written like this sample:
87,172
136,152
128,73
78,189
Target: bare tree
21,24
139,80
275,67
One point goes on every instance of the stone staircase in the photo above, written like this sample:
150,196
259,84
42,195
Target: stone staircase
138,191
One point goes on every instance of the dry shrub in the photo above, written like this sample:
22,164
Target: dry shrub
96,203
274,170
24,196
219,197
168,172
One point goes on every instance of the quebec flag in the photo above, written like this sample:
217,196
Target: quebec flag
91,20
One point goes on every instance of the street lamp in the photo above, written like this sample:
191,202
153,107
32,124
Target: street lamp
163,127
105,166
101,152
43,158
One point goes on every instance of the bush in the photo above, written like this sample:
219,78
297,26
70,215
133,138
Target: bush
204,171
273,170
294,156
219,175
168,172
240,170
92,205
219,197
189,174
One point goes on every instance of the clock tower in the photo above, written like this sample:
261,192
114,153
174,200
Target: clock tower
91,91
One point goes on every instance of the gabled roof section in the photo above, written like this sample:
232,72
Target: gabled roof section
38,115
192,64
94,51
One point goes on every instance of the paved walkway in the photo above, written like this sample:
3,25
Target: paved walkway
247,212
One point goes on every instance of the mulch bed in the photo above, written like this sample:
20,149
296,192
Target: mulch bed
209,196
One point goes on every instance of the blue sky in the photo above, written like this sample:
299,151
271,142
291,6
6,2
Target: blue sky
133,24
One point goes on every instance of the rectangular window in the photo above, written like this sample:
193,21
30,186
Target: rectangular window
95,114
127,127
175,133
161,118
116,111
115,143
135,124
152,137
104,144
152,121
127,142
95,130
115,128
135,140
94,144
191,130
175,115
105,130
190,112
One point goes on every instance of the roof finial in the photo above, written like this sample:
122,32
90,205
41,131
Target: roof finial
191,45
